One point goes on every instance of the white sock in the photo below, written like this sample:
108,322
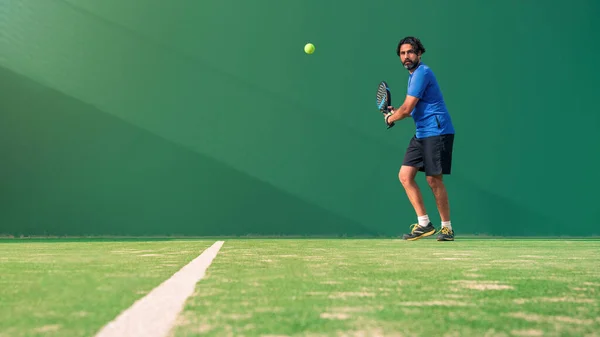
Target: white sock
447,224
423,220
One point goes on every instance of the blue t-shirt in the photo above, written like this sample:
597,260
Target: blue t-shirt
430,114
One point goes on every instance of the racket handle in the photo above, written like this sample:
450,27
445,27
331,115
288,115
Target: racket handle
390,125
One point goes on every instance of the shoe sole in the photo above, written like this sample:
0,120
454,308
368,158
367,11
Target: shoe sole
421,236
450,239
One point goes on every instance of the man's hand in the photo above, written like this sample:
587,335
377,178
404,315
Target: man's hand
386,118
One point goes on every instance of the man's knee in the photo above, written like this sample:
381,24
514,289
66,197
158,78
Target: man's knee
405,179
406,175
435,181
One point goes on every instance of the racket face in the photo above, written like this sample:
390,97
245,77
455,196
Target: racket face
384,97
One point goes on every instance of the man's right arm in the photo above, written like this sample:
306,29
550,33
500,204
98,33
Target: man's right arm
404,110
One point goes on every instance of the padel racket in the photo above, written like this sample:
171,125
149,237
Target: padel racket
384,99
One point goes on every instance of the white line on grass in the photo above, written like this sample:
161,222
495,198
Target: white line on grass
154,315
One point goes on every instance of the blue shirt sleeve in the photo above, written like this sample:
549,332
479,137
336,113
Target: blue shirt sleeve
418,83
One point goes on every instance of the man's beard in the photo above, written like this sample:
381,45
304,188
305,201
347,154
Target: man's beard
409,65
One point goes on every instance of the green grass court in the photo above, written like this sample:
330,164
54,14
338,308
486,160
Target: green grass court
310,287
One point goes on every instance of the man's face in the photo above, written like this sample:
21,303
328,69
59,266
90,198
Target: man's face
409,57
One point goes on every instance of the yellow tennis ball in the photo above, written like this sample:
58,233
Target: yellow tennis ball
309,48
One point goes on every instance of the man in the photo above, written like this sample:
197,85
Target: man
430,149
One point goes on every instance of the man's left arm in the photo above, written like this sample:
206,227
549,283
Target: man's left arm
403,111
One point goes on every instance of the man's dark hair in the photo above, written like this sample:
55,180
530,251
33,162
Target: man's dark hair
414,42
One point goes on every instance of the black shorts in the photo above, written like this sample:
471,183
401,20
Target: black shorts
432,155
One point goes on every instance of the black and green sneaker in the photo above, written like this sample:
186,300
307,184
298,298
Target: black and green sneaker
417,232
446,234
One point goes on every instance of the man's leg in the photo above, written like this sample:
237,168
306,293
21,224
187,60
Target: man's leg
424,227
436,183
407,176
413,160
438,162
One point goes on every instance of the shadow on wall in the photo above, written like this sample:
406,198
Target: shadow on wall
477,211
71,169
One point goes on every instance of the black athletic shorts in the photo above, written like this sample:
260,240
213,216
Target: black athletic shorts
432,155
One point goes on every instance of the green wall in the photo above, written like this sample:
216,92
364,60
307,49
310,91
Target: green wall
206,117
